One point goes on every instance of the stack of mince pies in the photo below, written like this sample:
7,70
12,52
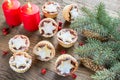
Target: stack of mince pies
21,61
44,50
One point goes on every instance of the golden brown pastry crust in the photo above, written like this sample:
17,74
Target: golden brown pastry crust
11,43
66,12
27,66
63,58
49,14
50,20
44,43
69,44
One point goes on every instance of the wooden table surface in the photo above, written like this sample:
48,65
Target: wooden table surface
112,6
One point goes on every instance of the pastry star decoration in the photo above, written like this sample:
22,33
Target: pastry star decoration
66,36
20,60
65,66
51,8
74,13
48,28
44,52
19,42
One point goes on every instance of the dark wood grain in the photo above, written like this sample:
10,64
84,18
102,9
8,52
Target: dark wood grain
34,72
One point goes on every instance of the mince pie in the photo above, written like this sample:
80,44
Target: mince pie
19,43
66,65
67,37
48,27
50,9
44,51
70,12
20,62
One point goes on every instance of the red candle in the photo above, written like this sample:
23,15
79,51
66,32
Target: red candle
30,16
11,9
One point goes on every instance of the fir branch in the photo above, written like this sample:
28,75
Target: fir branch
98,21
96,50
97,29
103,56
104,75
115,46
79,23
88,49
102,16
110,74
116,68
89,14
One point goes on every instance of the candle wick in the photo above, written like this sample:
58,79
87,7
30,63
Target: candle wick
10,3
29,7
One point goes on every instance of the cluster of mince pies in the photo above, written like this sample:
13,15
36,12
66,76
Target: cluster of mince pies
51,9
44,50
